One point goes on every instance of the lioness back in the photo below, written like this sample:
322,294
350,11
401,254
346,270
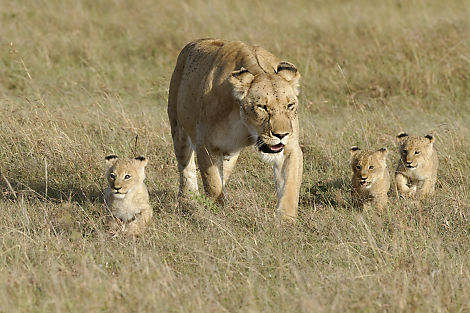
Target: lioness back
126,196
416,172
370,179
224,96
201,75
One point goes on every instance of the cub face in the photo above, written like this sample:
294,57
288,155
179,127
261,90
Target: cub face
268,105
415,150
123,174
368,166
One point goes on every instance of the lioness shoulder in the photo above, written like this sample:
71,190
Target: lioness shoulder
416,172
370,179
126,195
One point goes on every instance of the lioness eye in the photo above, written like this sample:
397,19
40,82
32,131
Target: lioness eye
290,106
263,107
371,167
358,167
417,152
112,175
127,176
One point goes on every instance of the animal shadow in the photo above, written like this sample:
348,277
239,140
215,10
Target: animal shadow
333,193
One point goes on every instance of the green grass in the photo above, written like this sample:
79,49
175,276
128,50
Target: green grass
82,79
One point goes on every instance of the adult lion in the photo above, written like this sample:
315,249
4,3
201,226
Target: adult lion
224,96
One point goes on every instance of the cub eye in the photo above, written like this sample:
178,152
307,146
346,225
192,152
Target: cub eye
112,176
417,152
371,167
358,167
263,107
290,106
127,177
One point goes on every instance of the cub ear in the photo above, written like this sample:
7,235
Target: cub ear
142,160
430,137
110,159
354,149
241,81
383,151
402,136
289,72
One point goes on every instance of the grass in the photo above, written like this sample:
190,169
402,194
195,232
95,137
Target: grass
82,79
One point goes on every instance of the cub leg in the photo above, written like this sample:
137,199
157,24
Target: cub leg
402,185
427,188
381,201
137,226
211,167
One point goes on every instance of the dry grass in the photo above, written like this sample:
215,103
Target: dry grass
81,79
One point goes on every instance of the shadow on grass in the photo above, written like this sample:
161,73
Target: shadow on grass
333,193
55,193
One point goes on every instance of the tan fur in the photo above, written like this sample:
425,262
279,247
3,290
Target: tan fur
225,96
370,179
127,197
416,172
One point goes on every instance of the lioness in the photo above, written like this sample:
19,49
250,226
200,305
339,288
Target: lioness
416,172
370,179
127,197
225,96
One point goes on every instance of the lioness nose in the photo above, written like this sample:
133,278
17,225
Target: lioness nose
363,177
409,162
280,135
117,188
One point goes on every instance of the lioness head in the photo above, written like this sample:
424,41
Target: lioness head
415,150
123,174
368,166
268,104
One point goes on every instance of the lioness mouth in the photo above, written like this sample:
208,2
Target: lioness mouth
263,147
365,183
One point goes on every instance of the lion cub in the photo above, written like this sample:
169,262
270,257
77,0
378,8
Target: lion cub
127,196
416,172
370,180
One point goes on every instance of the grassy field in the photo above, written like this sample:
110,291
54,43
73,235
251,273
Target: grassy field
82,79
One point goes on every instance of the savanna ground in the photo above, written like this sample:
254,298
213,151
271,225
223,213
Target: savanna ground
82,79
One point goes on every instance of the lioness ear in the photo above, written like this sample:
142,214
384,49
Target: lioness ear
110,159
430,137
402,136
142,160
354,150
289,72
241,81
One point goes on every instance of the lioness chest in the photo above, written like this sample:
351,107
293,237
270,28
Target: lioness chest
229,135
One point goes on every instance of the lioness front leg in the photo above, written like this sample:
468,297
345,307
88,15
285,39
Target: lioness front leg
211,167
228,165
288,176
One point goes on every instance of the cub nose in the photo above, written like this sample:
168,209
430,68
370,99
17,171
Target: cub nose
409,162
280,135
363,177
117,188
